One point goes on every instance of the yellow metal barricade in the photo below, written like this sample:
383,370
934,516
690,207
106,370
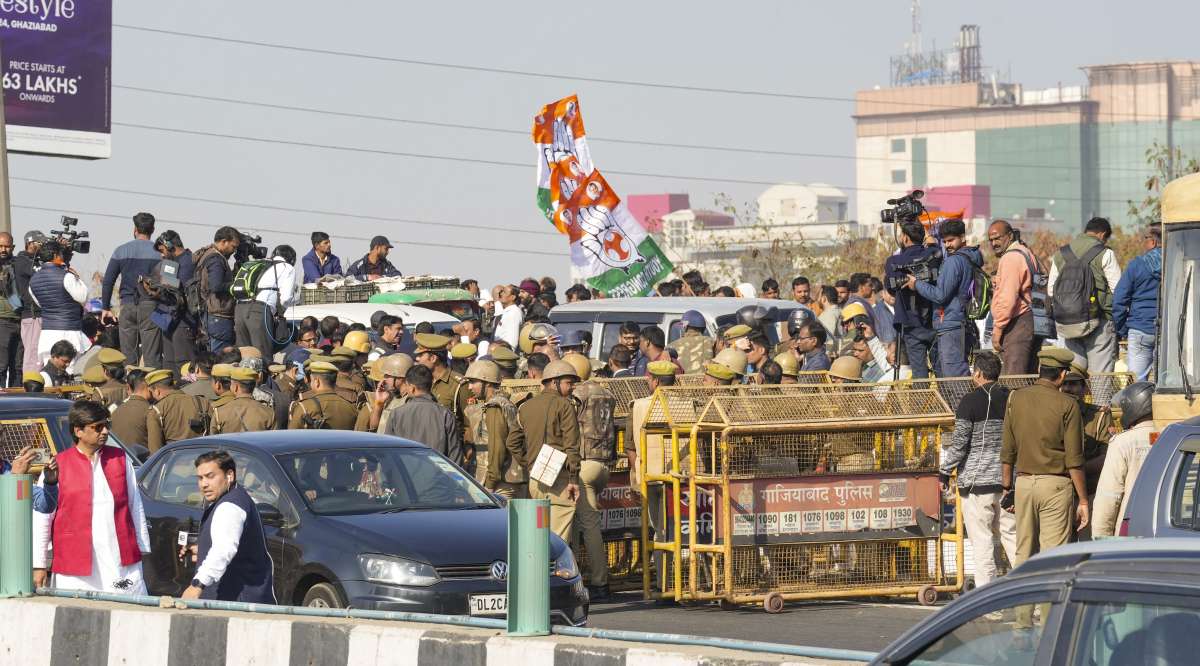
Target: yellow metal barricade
805,494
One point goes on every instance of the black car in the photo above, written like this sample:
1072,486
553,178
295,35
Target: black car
354,520
1114,602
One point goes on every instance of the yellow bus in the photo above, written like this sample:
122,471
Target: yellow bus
1177,395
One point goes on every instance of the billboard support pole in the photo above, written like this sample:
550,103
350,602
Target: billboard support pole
5,207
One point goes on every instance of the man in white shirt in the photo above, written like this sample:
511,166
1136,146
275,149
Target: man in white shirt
509,316
60,293
254,318
98,532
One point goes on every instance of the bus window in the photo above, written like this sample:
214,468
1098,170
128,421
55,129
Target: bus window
1181,301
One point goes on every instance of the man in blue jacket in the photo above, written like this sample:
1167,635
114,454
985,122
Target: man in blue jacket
320,260
1135,304
914,314
949,298
141,339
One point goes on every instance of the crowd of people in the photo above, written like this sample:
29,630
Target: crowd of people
199,345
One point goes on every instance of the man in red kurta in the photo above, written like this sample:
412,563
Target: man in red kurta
98,533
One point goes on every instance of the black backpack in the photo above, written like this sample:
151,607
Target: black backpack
1075,305
979,294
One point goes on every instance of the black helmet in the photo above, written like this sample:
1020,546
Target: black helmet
754,316
1134,401
798,318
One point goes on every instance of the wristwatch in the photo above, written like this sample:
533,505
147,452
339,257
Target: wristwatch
197,584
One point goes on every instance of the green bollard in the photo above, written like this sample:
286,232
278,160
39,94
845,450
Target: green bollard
528,567
16,535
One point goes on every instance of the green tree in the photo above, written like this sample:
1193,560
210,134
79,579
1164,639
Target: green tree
1166,164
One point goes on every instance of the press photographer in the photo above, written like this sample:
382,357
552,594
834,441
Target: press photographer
165,287
914,313
264,289
10,316
59,291
949,296
141,340
208,294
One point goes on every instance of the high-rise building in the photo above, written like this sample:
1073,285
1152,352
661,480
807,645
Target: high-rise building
1049,158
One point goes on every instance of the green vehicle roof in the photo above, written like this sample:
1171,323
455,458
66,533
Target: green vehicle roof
414,296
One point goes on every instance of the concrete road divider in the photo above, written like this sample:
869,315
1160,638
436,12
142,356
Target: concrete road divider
45,631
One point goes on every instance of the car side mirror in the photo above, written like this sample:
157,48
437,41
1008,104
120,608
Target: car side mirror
270,515
500,499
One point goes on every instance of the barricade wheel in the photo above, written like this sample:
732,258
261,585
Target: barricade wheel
773,603
927,595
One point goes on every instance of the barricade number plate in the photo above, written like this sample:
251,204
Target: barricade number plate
489,604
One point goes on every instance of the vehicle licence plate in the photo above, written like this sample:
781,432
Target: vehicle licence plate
489,604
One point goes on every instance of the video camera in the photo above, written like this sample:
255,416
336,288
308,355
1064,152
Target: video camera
924,270
905,208
68,240
248,248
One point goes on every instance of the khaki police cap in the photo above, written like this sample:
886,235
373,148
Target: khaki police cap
372,370
661,368
276,368
158,376
735,332
185,369
431,342
1056,357
110,357
503,355
847,368
322,368
31,376
94,375
394,365
317,358
243,375
344,352
484,371
558,370
463,350
222,370
719,371
249,352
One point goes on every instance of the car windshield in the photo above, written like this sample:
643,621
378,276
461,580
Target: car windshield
374,480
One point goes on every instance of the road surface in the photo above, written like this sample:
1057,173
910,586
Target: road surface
833,624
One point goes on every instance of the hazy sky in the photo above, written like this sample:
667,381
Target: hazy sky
822,49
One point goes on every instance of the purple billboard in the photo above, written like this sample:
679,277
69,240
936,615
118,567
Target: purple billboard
57,76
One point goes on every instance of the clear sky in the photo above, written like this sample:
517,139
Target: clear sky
824,49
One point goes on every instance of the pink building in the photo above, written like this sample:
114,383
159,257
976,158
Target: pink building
973,200
649,208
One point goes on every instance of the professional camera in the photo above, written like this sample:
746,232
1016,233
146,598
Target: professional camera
249,248
69,241
907,207
924,270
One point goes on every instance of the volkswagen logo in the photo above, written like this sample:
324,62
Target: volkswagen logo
499,570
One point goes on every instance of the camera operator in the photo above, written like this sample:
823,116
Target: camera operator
10,316
171,314
949,296
141,340
24,264
274,291
914,313
60,293
216,277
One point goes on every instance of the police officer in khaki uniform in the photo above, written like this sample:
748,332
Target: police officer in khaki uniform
243,413
94,378
694,346
501,467
112,362
462,354
655,453
374,379
505,359
1097,423
431,353
129,418
1043,444
389,394
350,377
174,415
222,383
791,367
548,419
325,408
594,404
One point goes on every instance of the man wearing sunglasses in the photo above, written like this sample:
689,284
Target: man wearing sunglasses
99,530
